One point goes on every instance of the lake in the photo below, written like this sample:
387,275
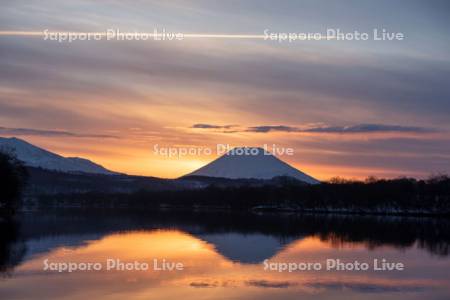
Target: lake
223,255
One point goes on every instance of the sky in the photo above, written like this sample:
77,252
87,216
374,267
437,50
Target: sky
347,108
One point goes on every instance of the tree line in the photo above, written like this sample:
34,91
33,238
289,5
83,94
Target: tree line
392,196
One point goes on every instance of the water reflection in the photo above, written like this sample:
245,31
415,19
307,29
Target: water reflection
12,248
270,231
222,254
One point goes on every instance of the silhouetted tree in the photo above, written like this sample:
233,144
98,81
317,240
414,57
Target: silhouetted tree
12,180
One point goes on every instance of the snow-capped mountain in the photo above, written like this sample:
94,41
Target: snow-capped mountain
34,156
253,163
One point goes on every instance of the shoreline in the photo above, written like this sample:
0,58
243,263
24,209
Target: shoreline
254,210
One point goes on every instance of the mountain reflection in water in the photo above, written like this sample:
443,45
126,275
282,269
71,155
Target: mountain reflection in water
224,251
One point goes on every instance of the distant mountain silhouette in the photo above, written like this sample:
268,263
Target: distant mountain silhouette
34,156
251,163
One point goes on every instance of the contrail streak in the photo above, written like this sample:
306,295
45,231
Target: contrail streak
149,34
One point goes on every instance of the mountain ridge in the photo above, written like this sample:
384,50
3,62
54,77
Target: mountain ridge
35,156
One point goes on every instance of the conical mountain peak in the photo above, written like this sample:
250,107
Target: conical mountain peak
251,163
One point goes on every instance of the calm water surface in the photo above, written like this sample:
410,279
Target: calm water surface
223,256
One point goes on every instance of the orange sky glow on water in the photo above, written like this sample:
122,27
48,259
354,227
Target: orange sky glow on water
205,270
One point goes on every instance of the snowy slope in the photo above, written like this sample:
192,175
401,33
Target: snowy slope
259,166
37,157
